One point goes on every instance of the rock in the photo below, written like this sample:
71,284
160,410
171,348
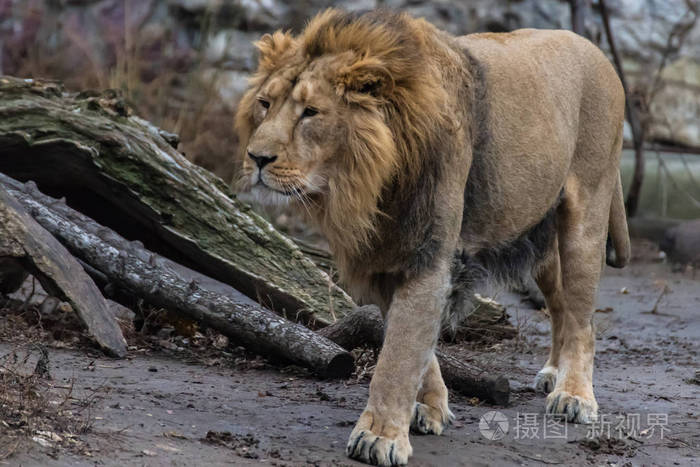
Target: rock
197,36
121,312
232,50
682,243
49,305
229,84
675,110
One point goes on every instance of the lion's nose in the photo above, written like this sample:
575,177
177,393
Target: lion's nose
261,161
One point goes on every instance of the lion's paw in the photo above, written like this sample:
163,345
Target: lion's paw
546,379
428,420
576,409
370,448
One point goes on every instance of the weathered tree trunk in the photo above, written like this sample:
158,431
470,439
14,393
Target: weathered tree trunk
22,239
471,381
638,129
123,172
365,326
129,266
579,13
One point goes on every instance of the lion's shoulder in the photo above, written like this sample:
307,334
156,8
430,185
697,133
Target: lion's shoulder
534,46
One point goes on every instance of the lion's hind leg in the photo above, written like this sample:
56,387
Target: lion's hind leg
570,286
431,414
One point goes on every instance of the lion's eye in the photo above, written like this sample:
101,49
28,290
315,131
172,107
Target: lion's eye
309,112
264,103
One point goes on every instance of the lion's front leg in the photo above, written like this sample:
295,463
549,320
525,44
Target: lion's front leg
380,436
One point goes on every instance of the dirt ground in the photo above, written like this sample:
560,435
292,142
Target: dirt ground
159,408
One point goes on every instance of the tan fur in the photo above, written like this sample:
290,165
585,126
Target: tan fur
374,124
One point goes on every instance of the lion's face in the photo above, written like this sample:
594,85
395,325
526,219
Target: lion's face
338,118
297,135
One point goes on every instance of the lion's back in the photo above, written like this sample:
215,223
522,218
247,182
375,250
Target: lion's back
545,90
539,63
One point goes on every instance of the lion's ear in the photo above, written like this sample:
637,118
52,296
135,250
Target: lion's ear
365,77
273,47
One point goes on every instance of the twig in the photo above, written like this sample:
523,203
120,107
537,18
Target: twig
539,459
655,309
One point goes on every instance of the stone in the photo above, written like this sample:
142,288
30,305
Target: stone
682,243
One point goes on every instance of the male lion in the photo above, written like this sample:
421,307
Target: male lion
432,162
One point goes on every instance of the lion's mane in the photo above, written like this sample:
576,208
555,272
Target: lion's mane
396,115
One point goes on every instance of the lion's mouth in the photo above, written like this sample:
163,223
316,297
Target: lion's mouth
288,192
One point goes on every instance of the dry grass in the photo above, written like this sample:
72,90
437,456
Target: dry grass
163,84
36,411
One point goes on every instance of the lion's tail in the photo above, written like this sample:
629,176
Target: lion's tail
618,249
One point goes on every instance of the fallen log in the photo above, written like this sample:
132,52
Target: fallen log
25,241
365,326
129,266
125,173
160,281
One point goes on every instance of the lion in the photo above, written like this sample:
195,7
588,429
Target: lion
432,163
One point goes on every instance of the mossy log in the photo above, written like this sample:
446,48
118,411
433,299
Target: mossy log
127,175
37,251
161,282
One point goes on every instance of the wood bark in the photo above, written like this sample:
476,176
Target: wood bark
638,130
124,173
579,12
365,326
58,272
159,281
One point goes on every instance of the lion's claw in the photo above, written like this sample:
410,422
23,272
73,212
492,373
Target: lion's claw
429,420
546,379
367,447
573,408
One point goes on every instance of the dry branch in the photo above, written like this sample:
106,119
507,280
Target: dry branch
123,172
160,282
58,272
365,326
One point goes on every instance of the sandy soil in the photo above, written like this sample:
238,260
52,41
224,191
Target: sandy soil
155,409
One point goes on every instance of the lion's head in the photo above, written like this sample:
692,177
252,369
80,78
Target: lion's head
336,116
